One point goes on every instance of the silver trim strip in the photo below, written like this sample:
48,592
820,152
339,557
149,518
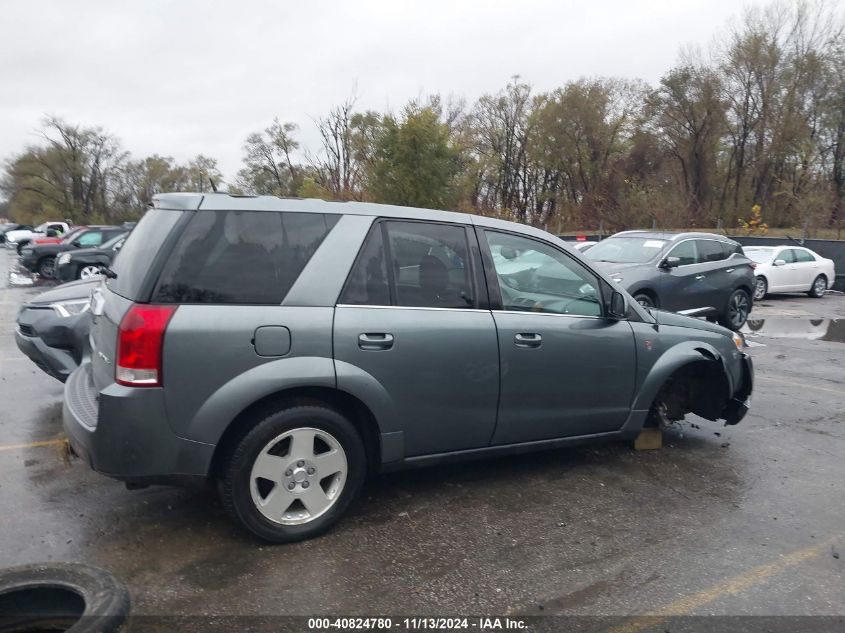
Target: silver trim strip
352,305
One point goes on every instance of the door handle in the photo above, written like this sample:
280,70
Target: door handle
729,270
529,340
699,276
375,341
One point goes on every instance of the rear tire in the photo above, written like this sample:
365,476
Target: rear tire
737,310
294,474
818,288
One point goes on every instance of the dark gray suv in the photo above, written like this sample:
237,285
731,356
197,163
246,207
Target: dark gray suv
284,348
701,273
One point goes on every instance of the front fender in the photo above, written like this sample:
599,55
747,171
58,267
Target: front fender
669,362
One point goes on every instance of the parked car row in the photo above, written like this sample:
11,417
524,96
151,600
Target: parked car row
708,274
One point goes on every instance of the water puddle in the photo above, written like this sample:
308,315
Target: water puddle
808,329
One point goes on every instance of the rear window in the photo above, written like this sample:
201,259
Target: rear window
240,257
139,250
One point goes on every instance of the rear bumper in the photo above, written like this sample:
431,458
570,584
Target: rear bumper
58,363
738,405
122,432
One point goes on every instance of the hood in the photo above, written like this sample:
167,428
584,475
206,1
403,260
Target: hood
74,290
679,320
84,252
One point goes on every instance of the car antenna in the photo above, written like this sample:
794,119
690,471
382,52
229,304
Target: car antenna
213,186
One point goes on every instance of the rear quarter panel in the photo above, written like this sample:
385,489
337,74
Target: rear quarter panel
212,371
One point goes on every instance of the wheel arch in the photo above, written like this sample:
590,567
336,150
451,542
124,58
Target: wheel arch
683,358
358,413
646,290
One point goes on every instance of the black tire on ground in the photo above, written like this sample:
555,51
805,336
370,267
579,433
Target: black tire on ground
645,300
737,310
235,486
58,596
47,267
761,287
818,288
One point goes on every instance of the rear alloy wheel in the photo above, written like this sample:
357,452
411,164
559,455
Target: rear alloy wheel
47,267
761,287
88,271
645,300
819,287
294,474
739,307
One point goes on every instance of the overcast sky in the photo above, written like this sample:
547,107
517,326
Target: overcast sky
184,77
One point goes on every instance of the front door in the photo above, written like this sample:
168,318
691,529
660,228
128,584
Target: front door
409,321
684,286
565,369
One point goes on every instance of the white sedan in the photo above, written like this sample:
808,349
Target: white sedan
790,269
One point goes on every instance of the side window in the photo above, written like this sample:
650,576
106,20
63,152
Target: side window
240,257
710,251
91,238
368,283
686,252
430,265
803,256
536,277
787,255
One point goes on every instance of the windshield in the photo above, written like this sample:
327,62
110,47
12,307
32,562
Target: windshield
759,255
71,235
626,250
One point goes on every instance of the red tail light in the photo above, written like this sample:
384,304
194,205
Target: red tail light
139,345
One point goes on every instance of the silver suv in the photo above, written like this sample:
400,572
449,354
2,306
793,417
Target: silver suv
285,348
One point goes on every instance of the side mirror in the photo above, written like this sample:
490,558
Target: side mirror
670,262
618,308
780,262
117,246
76,243
51,233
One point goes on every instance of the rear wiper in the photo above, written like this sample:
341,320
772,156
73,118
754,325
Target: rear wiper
108,272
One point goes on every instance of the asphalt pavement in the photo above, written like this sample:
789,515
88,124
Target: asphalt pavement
736,520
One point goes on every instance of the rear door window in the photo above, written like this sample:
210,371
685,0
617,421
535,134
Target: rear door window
240,257
803,256
428,267
710,251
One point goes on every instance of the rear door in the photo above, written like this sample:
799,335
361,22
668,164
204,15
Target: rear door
684,286
411,317
565,369
717,283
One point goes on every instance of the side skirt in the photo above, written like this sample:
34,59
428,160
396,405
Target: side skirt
628,431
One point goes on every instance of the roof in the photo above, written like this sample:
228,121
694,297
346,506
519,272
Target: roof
229,202
674,237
